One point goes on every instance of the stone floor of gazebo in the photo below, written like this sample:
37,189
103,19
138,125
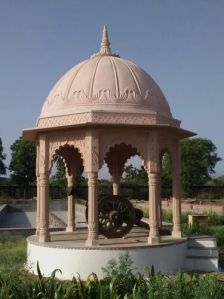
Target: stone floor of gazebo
137,237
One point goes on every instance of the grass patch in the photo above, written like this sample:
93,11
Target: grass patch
12,253
119,282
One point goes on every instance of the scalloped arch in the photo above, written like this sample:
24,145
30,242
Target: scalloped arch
134,140
76,144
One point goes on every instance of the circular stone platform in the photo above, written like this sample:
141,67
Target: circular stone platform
67,252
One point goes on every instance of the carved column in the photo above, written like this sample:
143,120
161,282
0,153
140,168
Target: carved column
92,209
154,176
116,170
154,197
38,206
92,166
160,211
116,187
38,190
44,190
116,181
160,199
71,206
176,188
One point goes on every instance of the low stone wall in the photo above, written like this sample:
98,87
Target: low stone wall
167,204
55,221
25,232
3,212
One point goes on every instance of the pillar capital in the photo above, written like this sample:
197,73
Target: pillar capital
154,178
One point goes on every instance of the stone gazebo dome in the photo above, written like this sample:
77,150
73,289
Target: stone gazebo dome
106,109
105,88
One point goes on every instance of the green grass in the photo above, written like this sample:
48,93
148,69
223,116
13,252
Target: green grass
119,282
12,253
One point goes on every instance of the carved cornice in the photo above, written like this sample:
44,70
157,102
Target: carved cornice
106,118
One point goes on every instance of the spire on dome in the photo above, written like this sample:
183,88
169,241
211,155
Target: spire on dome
105,45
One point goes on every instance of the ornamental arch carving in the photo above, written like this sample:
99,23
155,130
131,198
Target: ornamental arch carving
56,143
133,140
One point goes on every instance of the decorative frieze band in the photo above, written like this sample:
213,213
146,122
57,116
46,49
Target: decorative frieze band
105,118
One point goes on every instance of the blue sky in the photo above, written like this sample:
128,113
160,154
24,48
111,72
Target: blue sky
179,43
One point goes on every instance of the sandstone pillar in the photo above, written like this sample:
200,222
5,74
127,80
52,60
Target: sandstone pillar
154,197
176,233
38,206
44,209
71,206
43,163
92,209
176,188
92,167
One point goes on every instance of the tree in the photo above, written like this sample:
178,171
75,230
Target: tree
2,158
59,178
218,181
133,175
23,163
198,160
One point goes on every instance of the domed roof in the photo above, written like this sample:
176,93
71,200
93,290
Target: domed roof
105,82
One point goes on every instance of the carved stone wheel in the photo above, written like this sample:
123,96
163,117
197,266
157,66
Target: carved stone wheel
116,216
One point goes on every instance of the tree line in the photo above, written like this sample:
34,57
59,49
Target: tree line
198,160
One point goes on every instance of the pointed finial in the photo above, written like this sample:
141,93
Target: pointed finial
105,43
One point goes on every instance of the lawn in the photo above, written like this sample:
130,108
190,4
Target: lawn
12,253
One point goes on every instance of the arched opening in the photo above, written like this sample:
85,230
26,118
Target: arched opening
117,215
66,170
165,215
116,158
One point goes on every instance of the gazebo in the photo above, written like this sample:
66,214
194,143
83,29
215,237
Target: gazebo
106,109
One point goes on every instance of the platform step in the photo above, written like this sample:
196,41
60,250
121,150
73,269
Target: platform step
203,242
193,256
201,254
210,252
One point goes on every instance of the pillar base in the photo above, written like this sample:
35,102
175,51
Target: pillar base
153,240
90,242
70,229
42,238
177,234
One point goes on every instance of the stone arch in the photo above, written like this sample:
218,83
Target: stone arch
70,156
56,145
133,140
122,157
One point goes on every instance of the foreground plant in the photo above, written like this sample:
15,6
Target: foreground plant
119,282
